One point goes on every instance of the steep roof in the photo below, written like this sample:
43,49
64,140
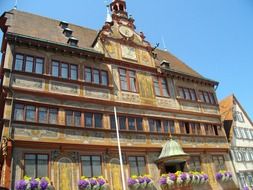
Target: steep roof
48,29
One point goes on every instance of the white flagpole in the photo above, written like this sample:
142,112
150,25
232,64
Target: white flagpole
119,147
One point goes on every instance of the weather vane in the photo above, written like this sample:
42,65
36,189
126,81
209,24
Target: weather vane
16,4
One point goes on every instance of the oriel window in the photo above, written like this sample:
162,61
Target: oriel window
36,165
137,165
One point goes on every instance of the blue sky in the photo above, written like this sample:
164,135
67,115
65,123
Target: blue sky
214,37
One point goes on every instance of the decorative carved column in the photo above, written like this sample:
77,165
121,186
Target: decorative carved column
6,146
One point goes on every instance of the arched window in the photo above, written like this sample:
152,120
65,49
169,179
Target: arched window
121,7
115,8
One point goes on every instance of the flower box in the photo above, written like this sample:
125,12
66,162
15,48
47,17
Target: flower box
93,183
140,183
29,183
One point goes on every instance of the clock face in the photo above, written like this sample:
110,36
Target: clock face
126,31
128,52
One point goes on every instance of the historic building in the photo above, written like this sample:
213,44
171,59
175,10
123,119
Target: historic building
239,131
60,83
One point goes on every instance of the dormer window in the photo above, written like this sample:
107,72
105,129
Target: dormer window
165,64
72,41
67,32
64,24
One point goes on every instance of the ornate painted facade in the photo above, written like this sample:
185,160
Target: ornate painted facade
238,127
60,83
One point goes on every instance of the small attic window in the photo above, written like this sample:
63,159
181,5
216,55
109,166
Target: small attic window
67,32
165,64
72,41
64,24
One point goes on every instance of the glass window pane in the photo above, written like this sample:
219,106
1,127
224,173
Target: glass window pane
133,166
132,81
112,122
73,72
98,120
42,115
29,64
55,68
164,87
141,165
104,77
131,123
64,70
39,66
77,118
30,165
123,79
151,123
166,126
122,122
30,113
96,166
206,96
157,88
88,120
19,62
86,166
158,126
88,74
42,166
139,124
181,92
19,112
69,118
53,116
193,94
201,96
187,94
96,76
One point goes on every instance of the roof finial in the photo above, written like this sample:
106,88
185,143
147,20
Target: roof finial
108,16
164,45
16,4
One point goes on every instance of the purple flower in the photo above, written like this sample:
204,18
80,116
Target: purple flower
101,181
141,179
83,183
93,181
21,185
183,176
131,182
205,177
245,188
147,179
34,184
201,177
163,181
43,184
219,176
172,177
229,174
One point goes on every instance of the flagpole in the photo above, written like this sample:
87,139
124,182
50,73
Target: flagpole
119,147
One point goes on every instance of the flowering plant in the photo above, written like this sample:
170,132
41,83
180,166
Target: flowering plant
140,182
223,176
179,178
29,183
94,183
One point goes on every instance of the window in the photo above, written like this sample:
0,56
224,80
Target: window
166,126
160,86
187,93
93,120
127,80
73,118
29,64
137,165
248,134
190,128
64,70
207,97
19,112
239,155
91,166
194,164
219,162
36,165
127,123
30,113
237,132
209,129
238,116
53,116
35,114
243,133
96,76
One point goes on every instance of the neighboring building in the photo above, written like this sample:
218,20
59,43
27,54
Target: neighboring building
239,131
60,83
